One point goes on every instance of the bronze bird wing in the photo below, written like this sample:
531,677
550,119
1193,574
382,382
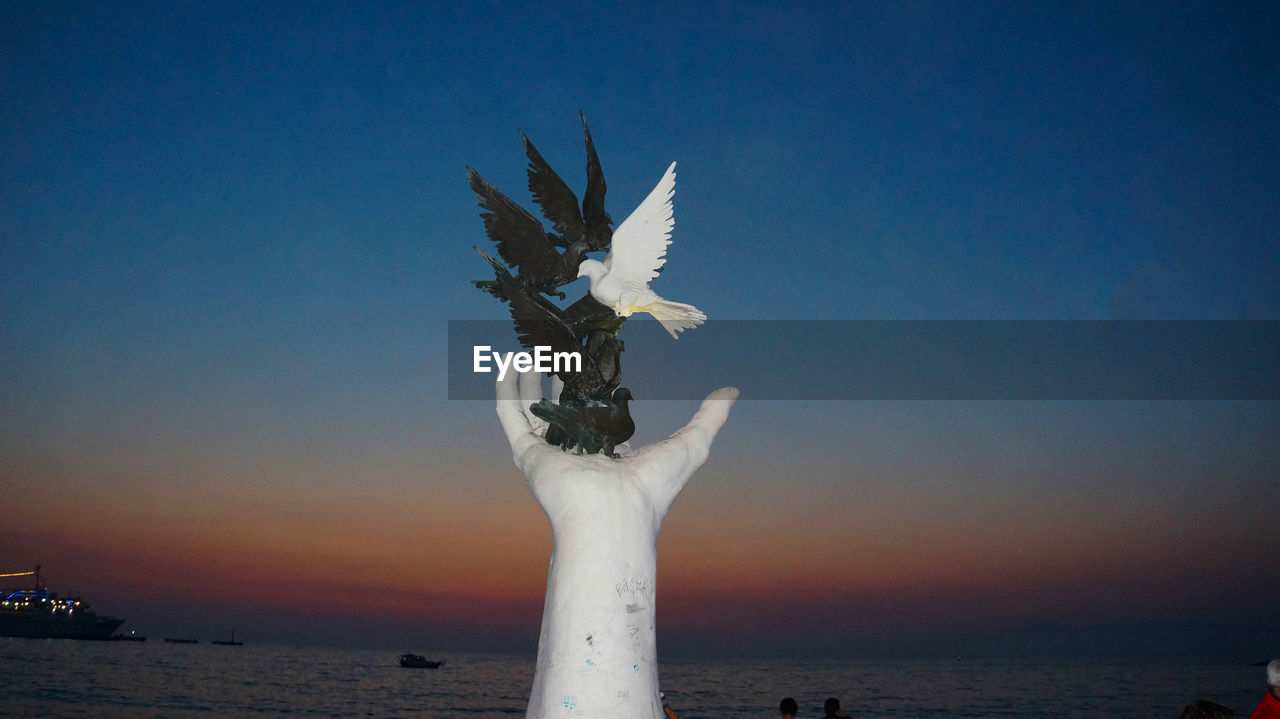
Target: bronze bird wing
519,236
596,232
558,203
537,320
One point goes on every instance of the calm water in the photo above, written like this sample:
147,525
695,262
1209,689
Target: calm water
59,678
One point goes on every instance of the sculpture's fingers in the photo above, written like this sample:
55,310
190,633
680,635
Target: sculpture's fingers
530,387
511,413
531,393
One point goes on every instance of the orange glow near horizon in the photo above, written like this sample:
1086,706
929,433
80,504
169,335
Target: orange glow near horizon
474,552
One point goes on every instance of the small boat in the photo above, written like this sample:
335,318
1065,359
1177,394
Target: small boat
175,640
417,661
231,643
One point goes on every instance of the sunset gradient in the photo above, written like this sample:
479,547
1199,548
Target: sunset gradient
232,238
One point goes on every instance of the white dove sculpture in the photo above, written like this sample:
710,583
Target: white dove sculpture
638,251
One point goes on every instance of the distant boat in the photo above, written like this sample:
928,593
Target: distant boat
417,661
231,643
130,637
173,640
38,612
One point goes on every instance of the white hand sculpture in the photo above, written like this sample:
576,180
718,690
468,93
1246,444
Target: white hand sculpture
597,652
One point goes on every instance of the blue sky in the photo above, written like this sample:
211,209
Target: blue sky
232,234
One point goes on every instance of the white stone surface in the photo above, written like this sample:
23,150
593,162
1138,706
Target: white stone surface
597,651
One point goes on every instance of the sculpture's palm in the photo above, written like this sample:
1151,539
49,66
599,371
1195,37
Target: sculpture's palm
597,649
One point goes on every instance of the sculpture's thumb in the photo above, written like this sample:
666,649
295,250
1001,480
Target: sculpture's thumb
667,465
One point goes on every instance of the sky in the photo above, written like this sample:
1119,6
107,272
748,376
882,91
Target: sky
233,235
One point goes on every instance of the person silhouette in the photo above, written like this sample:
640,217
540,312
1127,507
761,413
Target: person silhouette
831,708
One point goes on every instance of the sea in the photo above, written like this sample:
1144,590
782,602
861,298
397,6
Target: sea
65,678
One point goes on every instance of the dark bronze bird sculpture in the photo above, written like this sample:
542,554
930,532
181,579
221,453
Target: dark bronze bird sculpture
592,414
586,428
544,260
586,229
523,243
586,327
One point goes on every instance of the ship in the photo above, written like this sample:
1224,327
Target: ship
40,613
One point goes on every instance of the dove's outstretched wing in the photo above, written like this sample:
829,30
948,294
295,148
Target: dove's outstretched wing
640,243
